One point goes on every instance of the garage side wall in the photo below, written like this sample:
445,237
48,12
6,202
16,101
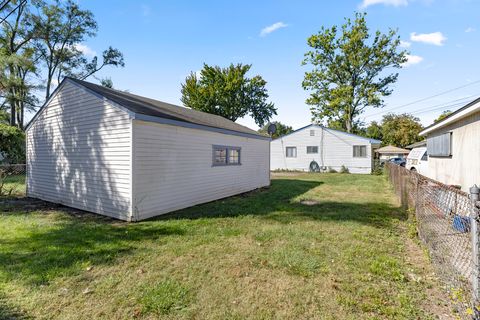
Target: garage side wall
173,167
78,153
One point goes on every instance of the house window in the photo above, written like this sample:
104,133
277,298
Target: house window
225,155
359,151
312,133
291,152
312,149
440,146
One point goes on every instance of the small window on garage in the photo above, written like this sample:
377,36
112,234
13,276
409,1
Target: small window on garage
291,152
312,149
226,155
359,151
312,133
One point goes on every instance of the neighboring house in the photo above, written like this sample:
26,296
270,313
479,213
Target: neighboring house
388,152
453,146
327,147
131,158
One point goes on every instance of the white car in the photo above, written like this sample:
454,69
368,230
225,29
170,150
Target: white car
417,160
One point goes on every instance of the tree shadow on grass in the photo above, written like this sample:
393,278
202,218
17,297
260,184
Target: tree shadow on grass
40,255
277,203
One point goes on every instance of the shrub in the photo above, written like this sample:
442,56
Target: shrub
331,170
12,144
344,169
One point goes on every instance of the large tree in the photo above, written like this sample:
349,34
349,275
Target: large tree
60,28
282,129
442,116
374,131
350,70
229,93
400,129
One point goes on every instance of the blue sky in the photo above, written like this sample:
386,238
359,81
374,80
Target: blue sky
163,41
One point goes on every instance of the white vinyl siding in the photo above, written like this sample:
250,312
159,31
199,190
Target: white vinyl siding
461,167
335,149
78,153
173,167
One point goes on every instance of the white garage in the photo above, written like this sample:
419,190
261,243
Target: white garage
131,157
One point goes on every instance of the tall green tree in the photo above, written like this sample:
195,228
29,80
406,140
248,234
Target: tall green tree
229,93
374,131
400,129
282,129
350,70
442,116
17,60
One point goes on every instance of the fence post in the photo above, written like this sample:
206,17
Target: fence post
474,197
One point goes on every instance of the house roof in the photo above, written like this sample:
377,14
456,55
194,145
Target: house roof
150,107
372,141
417,144
461,113
392,149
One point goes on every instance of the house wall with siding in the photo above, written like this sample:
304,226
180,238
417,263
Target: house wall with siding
79,153
335,149
463,166
173,167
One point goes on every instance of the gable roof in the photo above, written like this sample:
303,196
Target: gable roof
468,109
392,149
372,141
146,109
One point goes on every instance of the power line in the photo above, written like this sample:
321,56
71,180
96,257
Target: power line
4,5
423,99
447,104
8,15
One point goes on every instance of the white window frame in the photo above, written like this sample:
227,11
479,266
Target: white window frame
315,148
360,151
286,152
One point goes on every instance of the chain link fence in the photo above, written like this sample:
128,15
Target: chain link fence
12,179
446,222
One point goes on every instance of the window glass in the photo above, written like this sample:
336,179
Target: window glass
359,151
233,156
291,152
220,156
312,149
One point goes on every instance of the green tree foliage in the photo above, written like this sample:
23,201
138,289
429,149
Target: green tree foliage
229,93
349,70
400,130
60,28
12,144
443,115
282,129
374,131
357,126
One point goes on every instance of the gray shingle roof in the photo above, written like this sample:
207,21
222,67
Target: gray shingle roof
151,107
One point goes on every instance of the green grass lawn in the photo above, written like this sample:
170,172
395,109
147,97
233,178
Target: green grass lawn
324,246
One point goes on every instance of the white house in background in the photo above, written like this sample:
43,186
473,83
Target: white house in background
453,147
131,158
327,147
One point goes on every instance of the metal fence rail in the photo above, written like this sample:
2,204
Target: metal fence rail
447,225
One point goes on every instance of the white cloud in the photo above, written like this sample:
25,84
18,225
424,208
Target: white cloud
435,38
405,44
469,29
86,50
267,30
411,60
394,3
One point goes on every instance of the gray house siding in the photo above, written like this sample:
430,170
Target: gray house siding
79,153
